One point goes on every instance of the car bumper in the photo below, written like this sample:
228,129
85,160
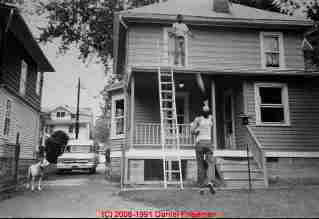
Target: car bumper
75,166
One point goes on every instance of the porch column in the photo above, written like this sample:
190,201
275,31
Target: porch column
132,110
213,101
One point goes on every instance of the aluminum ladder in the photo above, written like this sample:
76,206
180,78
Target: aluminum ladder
169,129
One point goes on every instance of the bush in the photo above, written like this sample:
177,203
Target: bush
55,145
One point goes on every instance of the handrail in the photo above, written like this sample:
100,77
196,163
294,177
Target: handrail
149,134
257,152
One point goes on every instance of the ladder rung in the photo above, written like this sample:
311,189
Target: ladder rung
167,82
166,91
167,108
166,74
166,100
172,171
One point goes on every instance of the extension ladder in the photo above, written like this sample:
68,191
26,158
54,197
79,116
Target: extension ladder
169,129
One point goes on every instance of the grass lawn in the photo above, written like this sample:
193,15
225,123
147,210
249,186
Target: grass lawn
296,201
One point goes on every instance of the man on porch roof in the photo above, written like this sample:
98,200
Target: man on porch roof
201,127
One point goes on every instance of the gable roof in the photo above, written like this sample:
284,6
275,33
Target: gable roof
203,9
23,34
83,110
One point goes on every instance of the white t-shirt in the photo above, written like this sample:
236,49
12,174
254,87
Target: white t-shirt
180,29
203,126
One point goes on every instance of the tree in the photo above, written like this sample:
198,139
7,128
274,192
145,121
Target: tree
310,9
55,145
101,129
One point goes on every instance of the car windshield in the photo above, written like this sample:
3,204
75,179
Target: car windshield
79,149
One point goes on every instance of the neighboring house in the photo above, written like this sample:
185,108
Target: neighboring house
22,64
64,118
252,64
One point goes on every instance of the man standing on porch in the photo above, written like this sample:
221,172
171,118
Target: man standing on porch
201,127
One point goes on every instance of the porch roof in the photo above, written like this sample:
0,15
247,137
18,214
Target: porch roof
229,71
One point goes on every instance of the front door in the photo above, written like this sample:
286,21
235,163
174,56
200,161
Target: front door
229,120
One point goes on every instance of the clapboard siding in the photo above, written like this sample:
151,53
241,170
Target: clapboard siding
304,117
12,70
24,120
212,48
117,144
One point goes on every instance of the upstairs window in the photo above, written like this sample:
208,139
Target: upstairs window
38,84
23,77
60,114
118,117
175,50
7,118
272,50
272,104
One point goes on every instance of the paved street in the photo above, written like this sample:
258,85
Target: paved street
68,195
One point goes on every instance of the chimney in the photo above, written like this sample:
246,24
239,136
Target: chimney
220,6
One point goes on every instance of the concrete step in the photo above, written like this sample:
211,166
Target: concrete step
233,184
242,175
240,168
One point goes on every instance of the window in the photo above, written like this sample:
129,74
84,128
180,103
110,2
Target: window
271,104
23,77
7,118
174,52
73,116
71,129
38,84
118,119
60,114
272,50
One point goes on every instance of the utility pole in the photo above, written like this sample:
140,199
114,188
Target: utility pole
77,112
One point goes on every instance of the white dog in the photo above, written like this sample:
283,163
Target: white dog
36,170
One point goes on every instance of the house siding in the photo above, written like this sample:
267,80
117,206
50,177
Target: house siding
302,134
12,71
219,48
24,120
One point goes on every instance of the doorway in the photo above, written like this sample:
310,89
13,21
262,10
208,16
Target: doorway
229,119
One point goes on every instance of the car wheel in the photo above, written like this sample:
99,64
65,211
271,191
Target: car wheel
92,170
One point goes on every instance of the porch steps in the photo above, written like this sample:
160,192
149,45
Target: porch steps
235,173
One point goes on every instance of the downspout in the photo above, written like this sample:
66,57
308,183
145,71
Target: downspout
3,42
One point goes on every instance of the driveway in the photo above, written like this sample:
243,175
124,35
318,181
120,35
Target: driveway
68,195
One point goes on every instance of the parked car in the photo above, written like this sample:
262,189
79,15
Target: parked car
78,157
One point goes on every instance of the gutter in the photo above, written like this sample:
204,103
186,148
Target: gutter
215,21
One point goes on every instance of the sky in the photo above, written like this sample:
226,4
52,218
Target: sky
60,87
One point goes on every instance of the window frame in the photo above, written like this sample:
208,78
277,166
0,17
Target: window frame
23,77
165,47
38,83
7,134
285,104
113,123
282,62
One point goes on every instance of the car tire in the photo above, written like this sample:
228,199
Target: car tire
93,170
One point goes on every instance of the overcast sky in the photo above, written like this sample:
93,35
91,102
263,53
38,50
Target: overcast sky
59,87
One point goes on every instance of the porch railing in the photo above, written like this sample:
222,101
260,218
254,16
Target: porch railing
257,152
150,134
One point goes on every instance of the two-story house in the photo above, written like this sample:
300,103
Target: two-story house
251,63
22,64
64,118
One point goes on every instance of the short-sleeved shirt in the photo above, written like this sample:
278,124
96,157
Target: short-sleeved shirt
204,126
180,29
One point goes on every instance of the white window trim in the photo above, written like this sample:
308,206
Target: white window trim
23,83
38,83
282,63
4,118
113,128
165,50
285,102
